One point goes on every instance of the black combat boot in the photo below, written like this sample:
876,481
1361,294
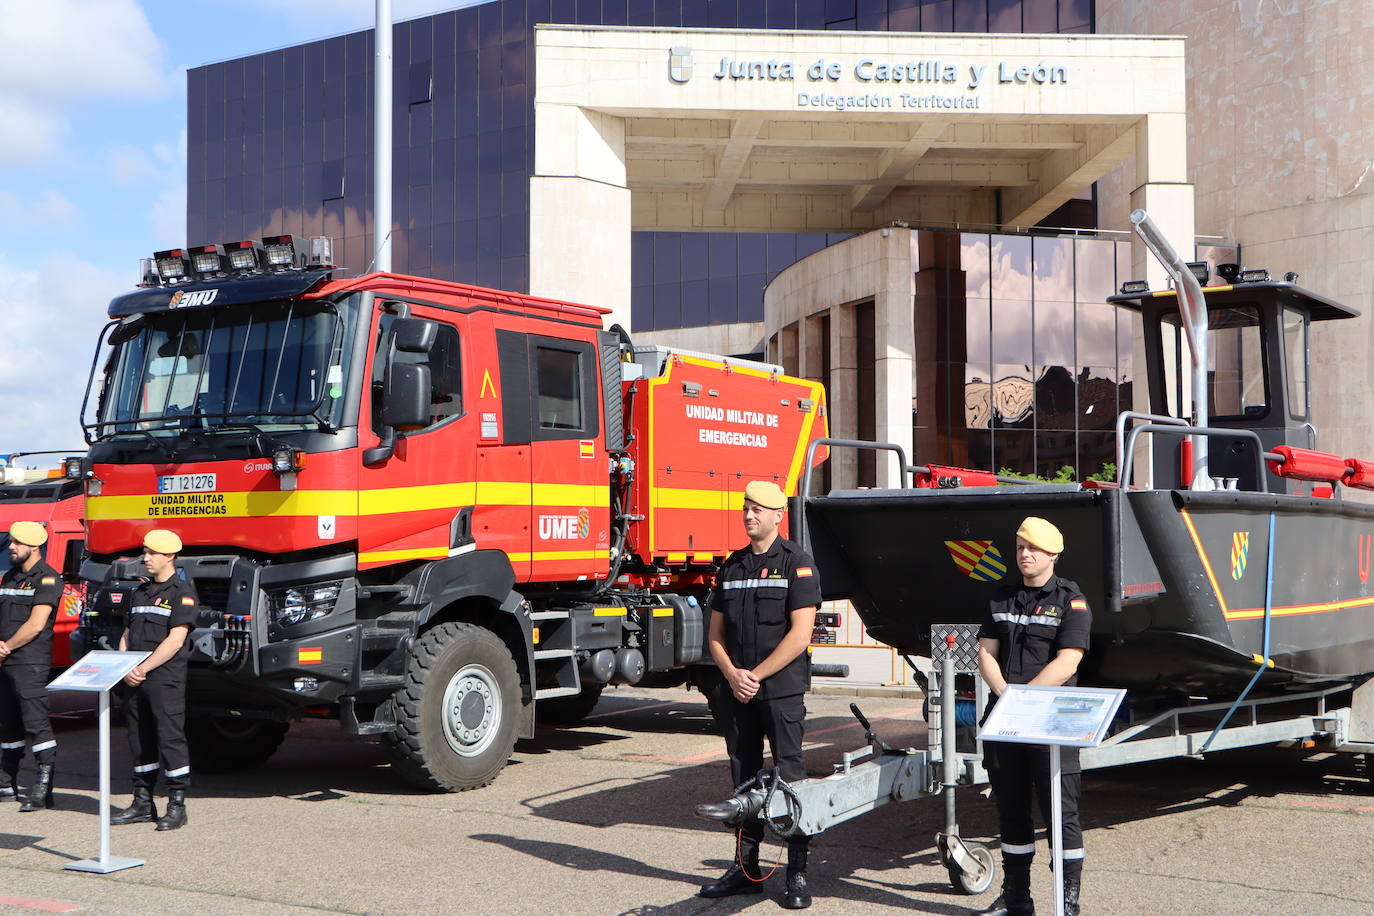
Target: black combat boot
9,781
1015,899
1071,889
796,896
176,811
142,809
738,879
40,795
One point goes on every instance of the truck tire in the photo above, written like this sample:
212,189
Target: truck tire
456,715
569,710
225,744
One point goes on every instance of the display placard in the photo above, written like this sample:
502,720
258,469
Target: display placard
1066,716
98,671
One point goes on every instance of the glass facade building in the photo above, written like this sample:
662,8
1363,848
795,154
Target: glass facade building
281,142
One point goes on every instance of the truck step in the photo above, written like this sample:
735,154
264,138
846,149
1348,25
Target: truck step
541,654
550,615
381,638
549,693
380,683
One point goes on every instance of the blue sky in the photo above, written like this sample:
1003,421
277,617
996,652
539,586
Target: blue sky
93,168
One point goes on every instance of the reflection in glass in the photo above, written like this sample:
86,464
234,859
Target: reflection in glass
1012,396
1056,397
1097,398
1052,269
1011,330
1054,332
1295,352
1011,267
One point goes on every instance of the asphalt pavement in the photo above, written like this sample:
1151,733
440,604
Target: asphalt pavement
598,819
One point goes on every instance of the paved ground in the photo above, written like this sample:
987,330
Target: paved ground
597,819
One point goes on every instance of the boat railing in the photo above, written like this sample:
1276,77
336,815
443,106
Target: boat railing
1127,416
1128,451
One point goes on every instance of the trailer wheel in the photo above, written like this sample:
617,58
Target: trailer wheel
569,710
456,715
224,744
964,882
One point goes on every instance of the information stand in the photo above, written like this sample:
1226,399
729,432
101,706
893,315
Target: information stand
98,672
1057,717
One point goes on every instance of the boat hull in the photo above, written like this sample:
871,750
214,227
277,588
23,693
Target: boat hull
1177,580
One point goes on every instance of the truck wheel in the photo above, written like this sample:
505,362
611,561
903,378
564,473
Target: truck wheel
569,710
223,744
456,716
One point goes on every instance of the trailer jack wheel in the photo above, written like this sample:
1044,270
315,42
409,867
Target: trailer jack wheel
971,866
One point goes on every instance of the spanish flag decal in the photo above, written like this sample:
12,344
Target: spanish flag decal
1079,604
586,448
48,580
804,572
188,601
311,656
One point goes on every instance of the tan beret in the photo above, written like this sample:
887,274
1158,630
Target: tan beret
30,534
1039,533
766,494
160,540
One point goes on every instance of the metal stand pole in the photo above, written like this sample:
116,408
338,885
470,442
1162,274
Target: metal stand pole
106,863
1057,829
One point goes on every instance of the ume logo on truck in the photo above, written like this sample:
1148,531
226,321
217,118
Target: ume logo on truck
565,527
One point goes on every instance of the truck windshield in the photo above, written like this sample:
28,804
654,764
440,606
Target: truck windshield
277,366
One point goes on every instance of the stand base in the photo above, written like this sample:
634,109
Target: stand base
113,863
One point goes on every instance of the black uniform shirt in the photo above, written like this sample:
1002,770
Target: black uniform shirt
157,607
19,592
757,593
1031,625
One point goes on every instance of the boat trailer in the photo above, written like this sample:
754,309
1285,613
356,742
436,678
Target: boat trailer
1331,718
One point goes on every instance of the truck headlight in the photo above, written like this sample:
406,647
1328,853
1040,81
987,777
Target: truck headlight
299,603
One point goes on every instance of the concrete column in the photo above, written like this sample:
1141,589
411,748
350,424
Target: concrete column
894,348
1162,190
843,395
580,210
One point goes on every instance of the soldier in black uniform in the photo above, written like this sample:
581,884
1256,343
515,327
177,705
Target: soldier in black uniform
29,594
160,616
1034,633
762,616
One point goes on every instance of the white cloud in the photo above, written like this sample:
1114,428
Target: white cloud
54,313
169,212
130,165
72,53
50,211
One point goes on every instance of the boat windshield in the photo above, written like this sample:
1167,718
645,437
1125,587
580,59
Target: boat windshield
1238,387
275,366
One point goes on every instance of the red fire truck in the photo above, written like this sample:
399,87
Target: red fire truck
56,501
421,507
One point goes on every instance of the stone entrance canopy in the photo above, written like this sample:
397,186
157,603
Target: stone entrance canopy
737,130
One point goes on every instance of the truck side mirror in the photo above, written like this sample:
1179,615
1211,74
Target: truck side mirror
414,335
406,396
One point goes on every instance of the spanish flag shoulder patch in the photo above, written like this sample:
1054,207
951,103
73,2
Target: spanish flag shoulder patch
804,572
48,580
1079,604
188,601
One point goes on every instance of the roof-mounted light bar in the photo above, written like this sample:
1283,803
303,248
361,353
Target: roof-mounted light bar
274,254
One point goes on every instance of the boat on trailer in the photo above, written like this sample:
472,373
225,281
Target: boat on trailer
1232,602
1228,556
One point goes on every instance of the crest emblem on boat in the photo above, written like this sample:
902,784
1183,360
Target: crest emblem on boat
1240,549
980,560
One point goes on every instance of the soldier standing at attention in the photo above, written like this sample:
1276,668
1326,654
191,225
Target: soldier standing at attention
163,609
761,620
1034,633
29,594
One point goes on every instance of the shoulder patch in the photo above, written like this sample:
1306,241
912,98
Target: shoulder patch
48,580
804,572
188,600
1079,604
